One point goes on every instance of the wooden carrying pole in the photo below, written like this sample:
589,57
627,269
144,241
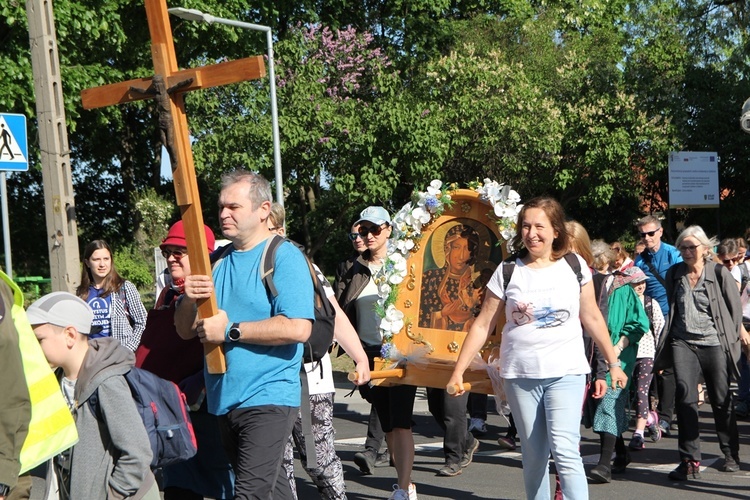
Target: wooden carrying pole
176,135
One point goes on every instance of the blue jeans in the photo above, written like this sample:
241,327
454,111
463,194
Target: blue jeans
547,413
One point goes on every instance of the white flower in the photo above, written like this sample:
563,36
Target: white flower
393,321
384,289
434,187
513,197
421,215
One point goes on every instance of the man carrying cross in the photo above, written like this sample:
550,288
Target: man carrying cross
258,397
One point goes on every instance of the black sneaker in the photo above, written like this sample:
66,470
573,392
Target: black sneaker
365,460
688,469
730,464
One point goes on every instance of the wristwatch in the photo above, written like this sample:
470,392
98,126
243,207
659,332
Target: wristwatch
233,335
4,490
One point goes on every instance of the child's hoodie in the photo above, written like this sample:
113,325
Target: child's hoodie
113,456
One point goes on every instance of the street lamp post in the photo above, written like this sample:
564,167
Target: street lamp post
196,15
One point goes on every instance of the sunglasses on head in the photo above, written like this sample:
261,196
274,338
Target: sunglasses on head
373,230
616,249
178,254
354,236
649,233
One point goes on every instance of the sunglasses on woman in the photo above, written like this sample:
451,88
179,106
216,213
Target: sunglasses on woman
178,254
373,230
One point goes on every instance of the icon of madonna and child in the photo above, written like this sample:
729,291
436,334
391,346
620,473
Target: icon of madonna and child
459,260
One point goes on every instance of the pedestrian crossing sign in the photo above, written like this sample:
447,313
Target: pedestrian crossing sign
14,153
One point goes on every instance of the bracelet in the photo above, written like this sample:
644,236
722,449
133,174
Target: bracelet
617,364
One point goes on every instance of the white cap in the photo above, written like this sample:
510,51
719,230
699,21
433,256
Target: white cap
61,309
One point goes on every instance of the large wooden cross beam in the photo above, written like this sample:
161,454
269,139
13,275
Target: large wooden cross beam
168,86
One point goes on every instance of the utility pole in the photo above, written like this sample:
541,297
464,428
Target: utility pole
59,203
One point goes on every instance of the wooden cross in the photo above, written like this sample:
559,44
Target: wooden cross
168,86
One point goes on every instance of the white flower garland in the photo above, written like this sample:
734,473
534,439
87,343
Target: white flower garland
407,229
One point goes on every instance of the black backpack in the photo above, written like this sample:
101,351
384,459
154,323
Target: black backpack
319,343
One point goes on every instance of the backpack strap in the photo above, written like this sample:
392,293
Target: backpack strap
575,265
268,262
509,266
306,419
647,259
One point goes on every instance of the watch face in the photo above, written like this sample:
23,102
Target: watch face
234,333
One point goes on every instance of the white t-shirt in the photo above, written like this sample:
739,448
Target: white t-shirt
321,381
542,337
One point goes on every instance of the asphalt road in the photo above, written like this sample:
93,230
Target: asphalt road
497,474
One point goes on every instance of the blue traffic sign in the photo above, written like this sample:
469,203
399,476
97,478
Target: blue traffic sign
14,151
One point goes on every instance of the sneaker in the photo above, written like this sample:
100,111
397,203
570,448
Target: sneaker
600,475
742,409
398,494
365,460
450,470
383,459
637,442
506,443
477,426
664,426
654,429
730,464
688,469
412,491
469,453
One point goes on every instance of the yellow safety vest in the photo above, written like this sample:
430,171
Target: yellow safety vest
52,428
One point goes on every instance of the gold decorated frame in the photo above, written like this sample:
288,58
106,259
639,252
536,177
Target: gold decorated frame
430,353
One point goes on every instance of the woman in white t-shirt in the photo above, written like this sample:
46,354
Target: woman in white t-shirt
542,355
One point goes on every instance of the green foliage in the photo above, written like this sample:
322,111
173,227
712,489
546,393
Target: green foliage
582,100
133,267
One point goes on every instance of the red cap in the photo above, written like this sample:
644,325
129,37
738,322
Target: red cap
176,237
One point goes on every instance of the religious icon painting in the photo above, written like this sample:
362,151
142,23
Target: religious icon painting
447,276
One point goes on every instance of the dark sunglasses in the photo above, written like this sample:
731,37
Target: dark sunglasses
178,254
729,261
374,230
650,233
616,249
354,236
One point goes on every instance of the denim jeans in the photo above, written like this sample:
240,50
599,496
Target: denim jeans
689,363
547,413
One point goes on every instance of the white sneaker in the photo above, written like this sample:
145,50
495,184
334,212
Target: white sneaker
412,492
477,426
399,494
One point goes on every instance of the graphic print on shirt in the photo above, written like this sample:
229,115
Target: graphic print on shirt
101,306
545,317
